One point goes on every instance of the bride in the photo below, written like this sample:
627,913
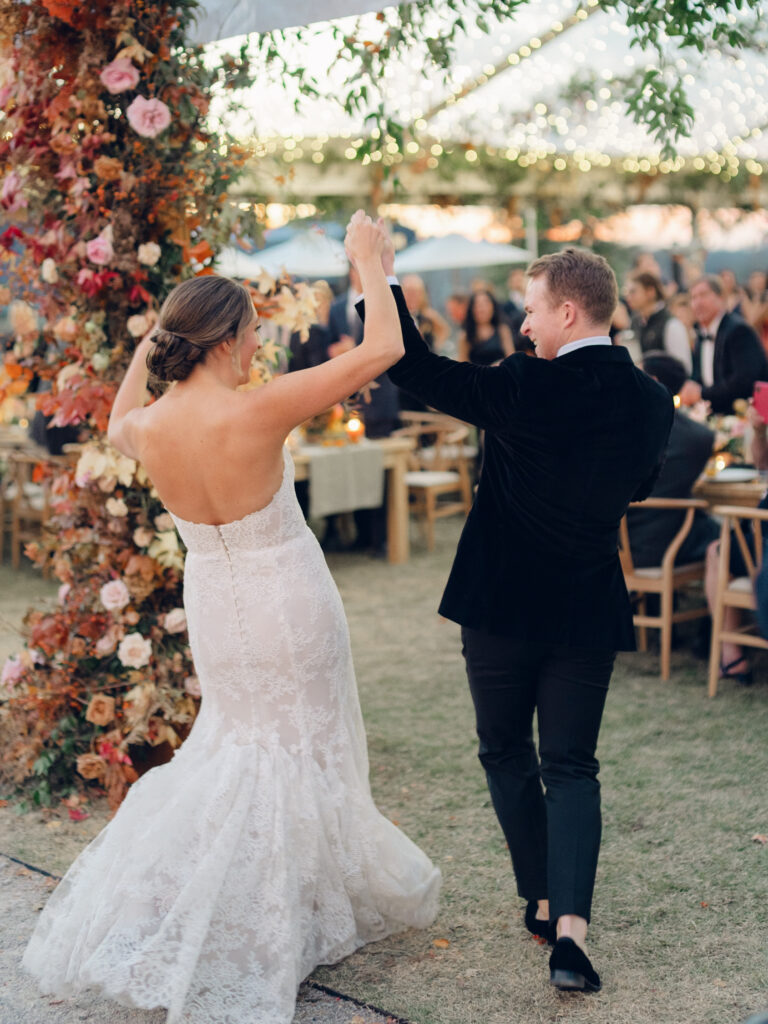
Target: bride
257,853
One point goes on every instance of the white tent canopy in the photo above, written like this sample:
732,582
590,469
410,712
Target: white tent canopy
453,252
222,19
309,254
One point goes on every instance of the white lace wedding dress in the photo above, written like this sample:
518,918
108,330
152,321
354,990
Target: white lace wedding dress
257,853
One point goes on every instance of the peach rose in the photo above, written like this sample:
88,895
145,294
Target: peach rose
148,118
107,643
91,766
119,75
114,595
149,253
134,651
164,522
132,617
101,710
99,250
23,318
175,621
108,168
65,329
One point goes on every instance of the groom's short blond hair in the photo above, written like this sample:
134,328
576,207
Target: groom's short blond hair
581,276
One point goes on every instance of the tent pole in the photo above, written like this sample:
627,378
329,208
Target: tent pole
530,217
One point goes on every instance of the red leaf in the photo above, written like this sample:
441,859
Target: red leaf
76,814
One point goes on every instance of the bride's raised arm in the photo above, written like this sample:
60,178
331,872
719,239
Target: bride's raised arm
295,397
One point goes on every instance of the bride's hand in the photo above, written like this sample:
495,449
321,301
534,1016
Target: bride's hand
364,241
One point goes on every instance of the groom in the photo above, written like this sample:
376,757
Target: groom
570,439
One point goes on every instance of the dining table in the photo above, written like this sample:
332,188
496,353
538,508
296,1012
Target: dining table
734,485
393,454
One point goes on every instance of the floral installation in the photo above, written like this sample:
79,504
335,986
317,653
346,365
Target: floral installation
113,189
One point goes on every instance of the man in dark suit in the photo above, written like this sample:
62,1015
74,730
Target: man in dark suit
690,446
571,438
381,406
728,357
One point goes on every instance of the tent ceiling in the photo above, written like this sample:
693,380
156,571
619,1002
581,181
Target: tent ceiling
223,19
551,81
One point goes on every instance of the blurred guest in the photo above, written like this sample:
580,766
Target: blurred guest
486,339
731,290
314,350
754,305
728,357
380,406
456,312
433,328
680,306
734,664
688,450
516,287
757,286
653,325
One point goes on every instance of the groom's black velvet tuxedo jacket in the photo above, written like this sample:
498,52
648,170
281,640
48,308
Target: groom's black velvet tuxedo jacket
568,444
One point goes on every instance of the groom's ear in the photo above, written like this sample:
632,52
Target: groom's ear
570,313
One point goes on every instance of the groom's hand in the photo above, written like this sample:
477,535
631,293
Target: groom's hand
388,252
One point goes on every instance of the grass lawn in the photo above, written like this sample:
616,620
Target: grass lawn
680,919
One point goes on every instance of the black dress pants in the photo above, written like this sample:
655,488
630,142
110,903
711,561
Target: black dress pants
548,806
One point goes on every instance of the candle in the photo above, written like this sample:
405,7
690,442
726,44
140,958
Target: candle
354,428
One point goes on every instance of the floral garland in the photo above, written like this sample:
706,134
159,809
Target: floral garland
114,189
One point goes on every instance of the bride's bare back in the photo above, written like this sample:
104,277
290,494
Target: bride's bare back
214,453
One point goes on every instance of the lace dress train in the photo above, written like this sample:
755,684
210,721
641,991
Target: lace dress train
257,853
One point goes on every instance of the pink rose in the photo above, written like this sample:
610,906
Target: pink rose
134,651
192,686
119,76
11,196
99,250
148,117
12,672
64,589
175,621
114,595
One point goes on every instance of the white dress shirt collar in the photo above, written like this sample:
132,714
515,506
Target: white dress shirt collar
572,346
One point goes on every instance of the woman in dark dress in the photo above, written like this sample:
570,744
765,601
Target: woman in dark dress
487,339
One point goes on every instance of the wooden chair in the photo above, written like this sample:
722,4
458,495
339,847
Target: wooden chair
738,592
665,579
438,478
29,501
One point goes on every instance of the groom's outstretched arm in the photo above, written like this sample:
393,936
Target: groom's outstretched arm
483,395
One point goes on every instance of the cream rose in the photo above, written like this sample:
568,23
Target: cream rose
116,507
138,325
114,595
164,522
149,253
107,643
49,271
175,621
142,536
100,361
134,651
65,329
23,319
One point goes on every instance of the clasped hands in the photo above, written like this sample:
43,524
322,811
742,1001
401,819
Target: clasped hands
369,241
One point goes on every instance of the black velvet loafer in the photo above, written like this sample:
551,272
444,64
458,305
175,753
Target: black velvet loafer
570,969
541,929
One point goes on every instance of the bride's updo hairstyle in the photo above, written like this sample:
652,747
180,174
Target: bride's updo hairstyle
196,317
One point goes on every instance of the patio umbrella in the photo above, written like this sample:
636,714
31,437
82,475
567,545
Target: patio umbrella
309,254
454,252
